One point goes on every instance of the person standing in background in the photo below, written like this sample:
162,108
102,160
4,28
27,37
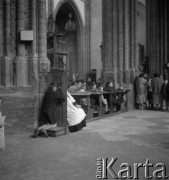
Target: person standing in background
2,136
156,89
141,83
164,94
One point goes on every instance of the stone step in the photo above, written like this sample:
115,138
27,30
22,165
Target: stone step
58,131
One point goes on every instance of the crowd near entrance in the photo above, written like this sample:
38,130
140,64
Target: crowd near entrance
152,93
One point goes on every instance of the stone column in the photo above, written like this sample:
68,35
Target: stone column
167,28
133,40
20,60
1,35
157,22
120,40
33,60
126,41
165,31
108,61
135,47
162,37
115,40
87,36
1,28
44,64
6,60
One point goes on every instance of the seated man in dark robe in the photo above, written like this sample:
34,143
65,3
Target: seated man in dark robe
48,113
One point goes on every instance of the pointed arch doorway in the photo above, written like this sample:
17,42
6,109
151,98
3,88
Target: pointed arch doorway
68,26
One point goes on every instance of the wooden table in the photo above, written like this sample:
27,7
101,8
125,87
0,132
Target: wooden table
81,95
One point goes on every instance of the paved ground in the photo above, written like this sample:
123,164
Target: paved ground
131,137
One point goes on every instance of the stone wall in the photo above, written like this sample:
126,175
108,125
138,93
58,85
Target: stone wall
141,25
120,60
20,108
157,38
96,35
23,65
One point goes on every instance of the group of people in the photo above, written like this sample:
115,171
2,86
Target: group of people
97,87
48,116
152,93
76,110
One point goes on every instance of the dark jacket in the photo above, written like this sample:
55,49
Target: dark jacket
108,89
48,112
52,99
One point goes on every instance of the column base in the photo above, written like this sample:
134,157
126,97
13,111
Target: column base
33,71
6,71
119,76
126,77
21,76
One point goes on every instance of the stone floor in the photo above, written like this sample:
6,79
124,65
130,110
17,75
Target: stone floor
131,137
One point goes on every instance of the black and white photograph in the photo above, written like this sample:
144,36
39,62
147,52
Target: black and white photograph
84,89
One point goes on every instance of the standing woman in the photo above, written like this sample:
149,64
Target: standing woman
156,87
140,89
167,95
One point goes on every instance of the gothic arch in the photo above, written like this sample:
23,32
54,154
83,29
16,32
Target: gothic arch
80,31
75,9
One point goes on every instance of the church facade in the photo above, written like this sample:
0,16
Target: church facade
85,35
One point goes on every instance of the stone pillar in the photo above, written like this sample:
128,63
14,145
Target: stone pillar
162,37
167,27
6,60
87,36
120,40
133,41
1,35
44,64
20,60
135,46
165,31
157,22
33,60
115,40
1,28
154,35
148,30
126,41
108,42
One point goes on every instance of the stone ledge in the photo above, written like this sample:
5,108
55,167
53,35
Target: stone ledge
58,131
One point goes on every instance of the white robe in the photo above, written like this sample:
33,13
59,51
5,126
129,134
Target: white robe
74,115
